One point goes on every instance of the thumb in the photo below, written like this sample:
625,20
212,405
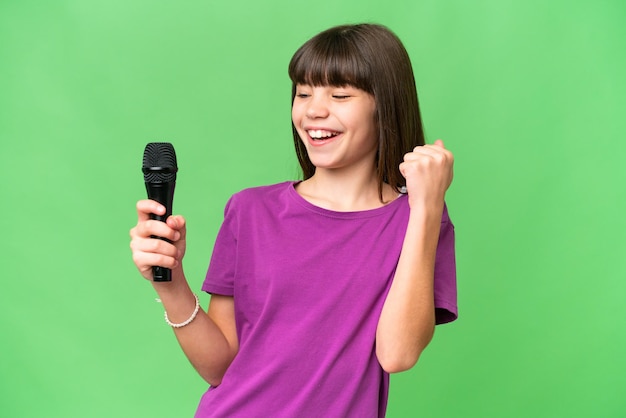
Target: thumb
439,143
178,223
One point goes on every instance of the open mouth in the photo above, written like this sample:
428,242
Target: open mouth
321,135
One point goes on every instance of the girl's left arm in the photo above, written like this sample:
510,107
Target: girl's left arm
407,321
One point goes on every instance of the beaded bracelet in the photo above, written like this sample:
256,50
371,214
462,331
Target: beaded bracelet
191,318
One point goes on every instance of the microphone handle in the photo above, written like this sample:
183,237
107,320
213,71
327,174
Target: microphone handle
164,194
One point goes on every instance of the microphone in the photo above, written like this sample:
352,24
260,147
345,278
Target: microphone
159,174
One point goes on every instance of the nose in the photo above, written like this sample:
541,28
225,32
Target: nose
317,107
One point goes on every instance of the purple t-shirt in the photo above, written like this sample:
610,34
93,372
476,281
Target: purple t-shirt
309,285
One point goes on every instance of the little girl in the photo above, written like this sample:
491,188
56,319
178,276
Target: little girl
322,287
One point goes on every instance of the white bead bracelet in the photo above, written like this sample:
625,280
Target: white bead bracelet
191,318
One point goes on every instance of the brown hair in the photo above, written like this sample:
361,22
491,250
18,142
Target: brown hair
371,58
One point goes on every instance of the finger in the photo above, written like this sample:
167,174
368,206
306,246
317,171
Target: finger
424,152
407,169
154,252
179,225
146,207
440,147
436,148
435,151
402,169
176,222
153,246
151,227
145,261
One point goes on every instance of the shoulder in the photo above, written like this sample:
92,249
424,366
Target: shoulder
261,193
255,198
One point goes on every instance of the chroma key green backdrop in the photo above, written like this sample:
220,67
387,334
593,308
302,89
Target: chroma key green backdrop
530,96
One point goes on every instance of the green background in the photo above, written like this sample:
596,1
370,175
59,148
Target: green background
530,96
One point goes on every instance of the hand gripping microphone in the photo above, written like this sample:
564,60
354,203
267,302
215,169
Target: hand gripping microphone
159,173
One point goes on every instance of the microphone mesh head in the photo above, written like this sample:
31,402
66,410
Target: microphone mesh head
159,163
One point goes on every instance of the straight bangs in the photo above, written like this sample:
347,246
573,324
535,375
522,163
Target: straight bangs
331,59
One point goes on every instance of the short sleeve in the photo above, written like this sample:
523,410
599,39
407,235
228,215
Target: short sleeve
221,272
445,273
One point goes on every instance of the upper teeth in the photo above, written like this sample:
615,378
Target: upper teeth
321,134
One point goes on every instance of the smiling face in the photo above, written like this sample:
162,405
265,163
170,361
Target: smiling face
372,59
336,125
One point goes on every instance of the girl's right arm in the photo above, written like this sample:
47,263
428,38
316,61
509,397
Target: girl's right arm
210,340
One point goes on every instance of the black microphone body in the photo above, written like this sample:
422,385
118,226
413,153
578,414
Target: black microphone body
159,171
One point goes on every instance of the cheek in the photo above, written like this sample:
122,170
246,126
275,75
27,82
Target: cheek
296,119
296,114
301,133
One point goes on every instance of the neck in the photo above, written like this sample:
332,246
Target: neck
341,191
